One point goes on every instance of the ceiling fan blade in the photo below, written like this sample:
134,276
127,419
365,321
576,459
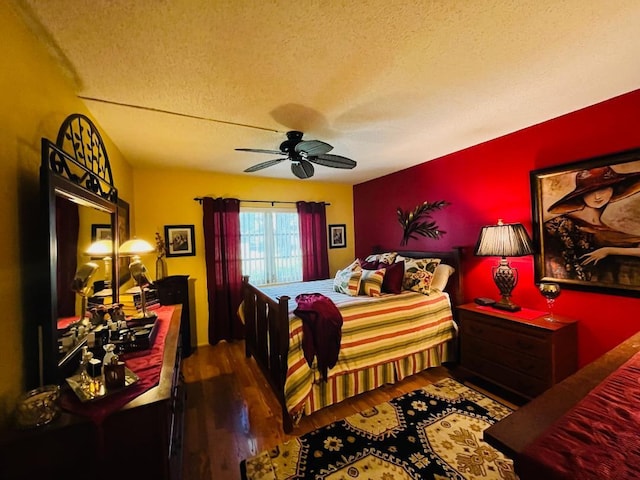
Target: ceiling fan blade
313,147
259,150
302,169
335,161
266,164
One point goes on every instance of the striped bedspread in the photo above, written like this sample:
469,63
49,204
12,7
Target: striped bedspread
376,330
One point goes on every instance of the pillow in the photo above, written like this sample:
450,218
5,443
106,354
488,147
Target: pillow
418,274
355,265
348,282
393,277
371,282
370,265
441,277
387,258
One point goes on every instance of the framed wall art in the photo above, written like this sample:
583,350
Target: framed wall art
179,240
586,223
100,231
124,232
337,236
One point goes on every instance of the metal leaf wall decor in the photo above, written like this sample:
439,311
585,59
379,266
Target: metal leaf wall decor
419,222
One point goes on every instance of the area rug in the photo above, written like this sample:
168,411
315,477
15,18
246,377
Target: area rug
431,433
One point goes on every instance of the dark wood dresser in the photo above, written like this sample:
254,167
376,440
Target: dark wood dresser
142,439
520,352
174,290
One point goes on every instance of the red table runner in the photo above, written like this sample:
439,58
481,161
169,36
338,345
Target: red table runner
597,439
147,364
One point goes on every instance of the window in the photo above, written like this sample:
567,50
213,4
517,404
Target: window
270,246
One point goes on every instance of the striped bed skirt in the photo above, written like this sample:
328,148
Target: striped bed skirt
341,387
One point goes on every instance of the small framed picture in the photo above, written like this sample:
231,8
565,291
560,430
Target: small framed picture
337,236
179,240
100,231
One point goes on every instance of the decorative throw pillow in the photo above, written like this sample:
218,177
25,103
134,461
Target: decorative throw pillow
355,265
418,274
388,257
393,277
441,277
348,282
371,282
370,265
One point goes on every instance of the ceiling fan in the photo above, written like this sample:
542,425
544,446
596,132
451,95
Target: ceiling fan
302,154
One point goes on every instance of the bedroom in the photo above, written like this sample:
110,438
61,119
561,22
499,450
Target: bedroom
491,182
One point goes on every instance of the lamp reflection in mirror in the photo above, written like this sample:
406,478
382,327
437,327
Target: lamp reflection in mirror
80,284
103,249
134,248
504,240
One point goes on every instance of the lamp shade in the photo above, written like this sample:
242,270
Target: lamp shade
100,248
134,247
504,240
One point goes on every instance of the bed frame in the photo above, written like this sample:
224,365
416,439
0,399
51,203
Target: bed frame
267,325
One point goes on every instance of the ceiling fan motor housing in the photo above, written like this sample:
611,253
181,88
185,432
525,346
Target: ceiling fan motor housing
294,137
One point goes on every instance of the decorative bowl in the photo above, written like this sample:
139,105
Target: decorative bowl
38,406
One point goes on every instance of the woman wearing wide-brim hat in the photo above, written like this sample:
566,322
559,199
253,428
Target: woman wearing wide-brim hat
580,235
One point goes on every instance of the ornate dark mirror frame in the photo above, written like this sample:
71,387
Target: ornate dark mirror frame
76,168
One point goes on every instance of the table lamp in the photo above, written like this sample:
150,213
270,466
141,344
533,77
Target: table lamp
504,240
134,248
80,284
103,249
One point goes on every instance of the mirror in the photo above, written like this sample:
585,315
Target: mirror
80,205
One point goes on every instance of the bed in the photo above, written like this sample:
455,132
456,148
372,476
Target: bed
584,427
384,339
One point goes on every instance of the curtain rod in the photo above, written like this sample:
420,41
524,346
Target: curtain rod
272,202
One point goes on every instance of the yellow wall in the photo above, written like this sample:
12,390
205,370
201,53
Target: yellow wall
166,197
35,97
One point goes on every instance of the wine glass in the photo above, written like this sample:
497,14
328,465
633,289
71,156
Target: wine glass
550,291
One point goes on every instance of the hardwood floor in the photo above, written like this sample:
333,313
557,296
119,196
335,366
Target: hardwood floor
232,414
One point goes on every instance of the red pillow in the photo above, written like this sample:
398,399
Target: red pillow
372,265
393,277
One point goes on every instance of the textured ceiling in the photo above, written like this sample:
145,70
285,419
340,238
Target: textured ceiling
388,83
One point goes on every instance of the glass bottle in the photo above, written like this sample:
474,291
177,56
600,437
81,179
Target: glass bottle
110,355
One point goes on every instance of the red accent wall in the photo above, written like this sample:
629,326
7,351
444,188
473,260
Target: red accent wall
490,181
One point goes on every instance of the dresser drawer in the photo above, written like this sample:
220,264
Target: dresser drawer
498,373
539,367
509,334
519,351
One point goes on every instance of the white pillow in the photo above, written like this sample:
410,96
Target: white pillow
441,277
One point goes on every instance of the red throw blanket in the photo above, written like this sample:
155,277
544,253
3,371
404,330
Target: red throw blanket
597,439
321,330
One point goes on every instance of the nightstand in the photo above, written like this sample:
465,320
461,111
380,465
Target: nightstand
519,351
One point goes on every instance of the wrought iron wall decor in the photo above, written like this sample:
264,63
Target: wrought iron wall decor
418,221
80,156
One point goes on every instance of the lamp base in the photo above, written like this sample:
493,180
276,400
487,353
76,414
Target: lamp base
508,306
145,316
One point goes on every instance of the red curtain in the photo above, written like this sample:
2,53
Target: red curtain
313,237
67,230
221,221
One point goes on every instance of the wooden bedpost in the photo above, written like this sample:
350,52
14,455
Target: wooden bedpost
249,317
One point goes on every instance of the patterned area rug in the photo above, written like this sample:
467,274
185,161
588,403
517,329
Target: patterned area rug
431,433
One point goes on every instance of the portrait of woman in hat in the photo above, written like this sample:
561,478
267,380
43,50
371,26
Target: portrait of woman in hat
580,244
